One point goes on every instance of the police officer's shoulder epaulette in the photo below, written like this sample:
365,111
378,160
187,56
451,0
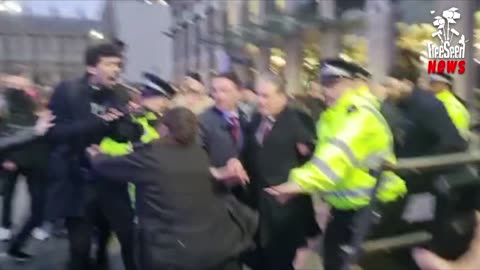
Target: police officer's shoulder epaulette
351,109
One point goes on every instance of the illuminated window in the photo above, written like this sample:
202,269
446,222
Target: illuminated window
281,4
232,12
254,9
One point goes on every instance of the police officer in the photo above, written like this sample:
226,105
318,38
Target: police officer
353,136
441,86
362,78
138,127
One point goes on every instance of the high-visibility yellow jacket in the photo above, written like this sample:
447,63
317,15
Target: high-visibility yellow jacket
353,137
113,148
456,111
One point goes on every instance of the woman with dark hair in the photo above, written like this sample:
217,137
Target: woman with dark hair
183,224
22,149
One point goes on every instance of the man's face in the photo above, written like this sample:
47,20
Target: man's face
394,87
270,100
193,87
437,87
107,71
225,93
334,88
156,104
398,89
316,91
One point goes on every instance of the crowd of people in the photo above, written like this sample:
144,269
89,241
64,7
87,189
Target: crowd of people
190,178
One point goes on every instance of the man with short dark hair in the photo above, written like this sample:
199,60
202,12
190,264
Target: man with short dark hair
85,110
222,133
431,130
441,85
193,94
223,124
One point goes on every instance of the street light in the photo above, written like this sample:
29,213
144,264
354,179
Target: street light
96,35
10,7
163,2
151,2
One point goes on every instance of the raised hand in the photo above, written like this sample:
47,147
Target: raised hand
427,260
233,172
284,192
303,149
93,150
111,115
44,123
9,166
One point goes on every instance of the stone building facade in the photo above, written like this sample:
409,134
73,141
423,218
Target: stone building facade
214,36
50,48
210,36
141,26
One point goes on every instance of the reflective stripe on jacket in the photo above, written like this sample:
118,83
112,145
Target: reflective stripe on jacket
456,111
353,137
112,148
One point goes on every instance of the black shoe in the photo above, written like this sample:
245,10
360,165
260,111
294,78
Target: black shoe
19,256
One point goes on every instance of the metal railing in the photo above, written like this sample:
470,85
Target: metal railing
372,215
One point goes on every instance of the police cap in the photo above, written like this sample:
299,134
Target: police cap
363,73
441,77
155,86
338,68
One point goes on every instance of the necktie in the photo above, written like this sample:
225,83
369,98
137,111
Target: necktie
265,128
235,128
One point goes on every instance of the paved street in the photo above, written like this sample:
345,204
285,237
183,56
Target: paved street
52,254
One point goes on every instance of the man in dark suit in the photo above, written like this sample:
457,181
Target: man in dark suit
277,141
84,109
222,130
182,222
431,130
222,126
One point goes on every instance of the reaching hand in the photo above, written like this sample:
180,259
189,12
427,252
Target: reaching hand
303,149
233,172
427,260
44,123
9,166
111,115
93,150
134,106
285,191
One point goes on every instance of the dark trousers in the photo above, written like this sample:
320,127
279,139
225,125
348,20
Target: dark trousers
338,234
80,233
100,220
229,265
37,187
278,254
116,206
275,248
10,179
275,258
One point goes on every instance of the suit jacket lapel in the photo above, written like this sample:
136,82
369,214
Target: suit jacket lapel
275,128
228,127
